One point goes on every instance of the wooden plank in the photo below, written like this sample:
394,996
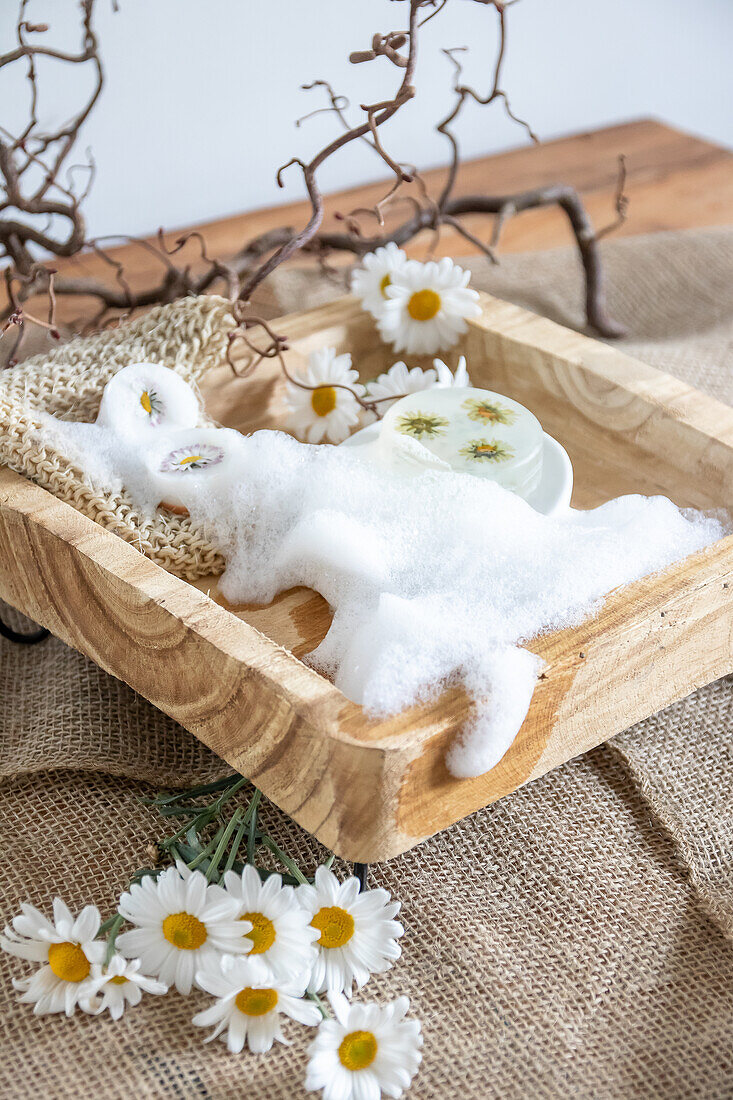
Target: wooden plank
675,181
370,789
661,161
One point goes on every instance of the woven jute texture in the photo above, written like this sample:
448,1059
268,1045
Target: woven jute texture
572,940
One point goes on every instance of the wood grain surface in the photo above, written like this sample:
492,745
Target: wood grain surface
370,789
675,181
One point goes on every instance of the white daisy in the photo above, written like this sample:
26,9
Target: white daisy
370,281
326,410
182,922
68,948
367,1051
281,933
446,378
358,933
399,381
250,1002
123,984
427,306
195,457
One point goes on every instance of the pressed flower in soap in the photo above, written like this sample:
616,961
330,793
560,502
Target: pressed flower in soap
211,455
470,431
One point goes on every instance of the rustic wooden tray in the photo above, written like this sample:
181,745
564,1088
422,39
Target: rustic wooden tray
370,789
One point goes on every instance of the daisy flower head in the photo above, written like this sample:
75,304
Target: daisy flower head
182,922
367,1051
325,409
427,306
281,935
124,985
397,382
357,931
250,1002
184,459
447,379
67,947
370,281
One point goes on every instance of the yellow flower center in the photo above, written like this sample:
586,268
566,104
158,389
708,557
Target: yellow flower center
262,934
119,979
357,1050
190,458
386,281
323,400
146,402
335,925
423,305
256,1002
68,962
184,931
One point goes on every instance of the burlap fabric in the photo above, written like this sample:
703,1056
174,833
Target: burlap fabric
573,940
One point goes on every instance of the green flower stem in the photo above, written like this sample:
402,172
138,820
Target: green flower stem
286,861
317,1000
180,832
181,805
223,842
195,792
241,782
106,925
200,817
206,850
234,850
252,837
115,923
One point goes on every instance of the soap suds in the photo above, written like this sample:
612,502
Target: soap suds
434,579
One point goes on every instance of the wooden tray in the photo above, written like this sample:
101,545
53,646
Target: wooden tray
232,676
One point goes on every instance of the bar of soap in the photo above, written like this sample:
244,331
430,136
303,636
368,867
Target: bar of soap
467,430
144,396
187,466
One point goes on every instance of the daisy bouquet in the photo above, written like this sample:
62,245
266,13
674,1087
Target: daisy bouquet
269,947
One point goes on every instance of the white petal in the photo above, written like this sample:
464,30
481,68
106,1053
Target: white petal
61,913
185,970
86,925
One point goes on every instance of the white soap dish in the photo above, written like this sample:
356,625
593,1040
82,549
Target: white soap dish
550,497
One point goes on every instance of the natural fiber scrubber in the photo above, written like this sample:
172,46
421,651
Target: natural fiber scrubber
189,336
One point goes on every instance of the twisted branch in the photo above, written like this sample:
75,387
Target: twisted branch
31,164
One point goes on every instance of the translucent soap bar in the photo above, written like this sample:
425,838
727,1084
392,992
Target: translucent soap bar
184,466
468,430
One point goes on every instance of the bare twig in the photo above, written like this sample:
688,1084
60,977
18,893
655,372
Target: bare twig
40,183
620,202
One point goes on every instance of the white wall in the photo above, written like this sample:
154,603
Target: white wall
201,94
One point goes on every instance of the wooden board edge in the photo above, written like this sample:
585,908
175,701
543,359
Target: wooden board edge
682,631
609,364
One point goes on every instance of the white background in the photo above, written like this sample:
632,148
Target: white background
201,95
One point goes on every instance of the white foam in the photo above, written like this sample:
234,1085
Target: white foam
433,580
